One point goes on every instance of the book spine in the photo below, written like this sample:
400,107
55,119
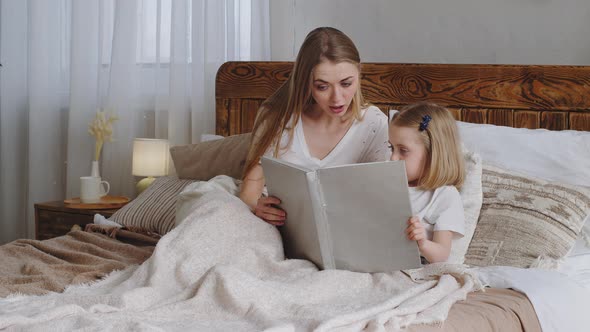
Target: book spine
321,220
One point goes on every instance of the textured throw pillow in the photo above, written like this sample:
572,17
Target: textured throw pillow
155,208
525,221
205,160
471,195
525,151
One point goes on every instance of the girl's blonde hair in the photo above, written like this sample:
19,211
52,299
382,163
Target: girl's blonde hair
444,163
294,96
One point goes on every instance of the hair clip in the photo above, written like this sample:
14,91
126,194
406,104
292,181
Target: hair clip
425,121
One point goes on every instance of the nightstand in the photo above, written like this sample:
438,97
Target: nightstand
54,219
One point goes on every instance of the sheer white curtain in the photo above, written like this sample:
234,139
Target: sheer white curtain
152,62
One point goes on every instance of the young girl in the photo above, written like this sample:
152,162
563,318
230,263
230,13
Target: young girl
425,136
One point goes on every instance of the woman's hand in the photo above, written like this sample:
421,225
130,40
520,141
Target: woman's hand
267,210
415,230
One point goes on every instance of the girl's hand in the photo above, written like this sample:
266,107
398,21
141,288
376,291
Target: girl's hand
415,230
267,210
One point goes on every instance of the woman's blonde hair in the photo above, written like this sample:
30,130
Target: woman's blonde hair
294,96
438,132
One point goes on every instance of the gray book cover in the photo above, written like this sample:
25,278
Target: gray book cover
350,217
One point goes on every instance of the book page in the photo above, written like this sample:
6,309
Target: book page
367,208
289,182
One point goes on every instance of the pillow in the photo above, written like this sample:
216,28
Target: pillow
155,208
210,137
205,160
471,196
561,156
524,221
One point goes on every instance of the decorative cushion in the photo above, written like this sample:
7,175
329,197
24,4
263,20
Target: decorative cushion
471,196
525,151
205,160
155,208
524,221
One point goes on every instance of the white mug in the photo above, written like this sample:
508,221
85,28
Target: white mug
92,189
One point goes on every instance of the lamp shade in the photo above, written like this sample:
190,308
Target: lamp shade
150,157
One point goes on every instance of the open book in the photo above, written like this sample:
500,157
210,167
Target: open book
350,217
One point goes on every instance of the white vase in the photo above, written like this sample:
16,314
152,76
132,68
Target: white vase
94,171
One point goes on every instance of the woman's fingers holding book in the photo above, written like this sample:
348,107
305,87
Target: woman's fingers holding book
269,200
267,209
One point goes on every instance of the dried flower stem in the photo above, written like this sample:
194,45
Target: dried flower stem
102,130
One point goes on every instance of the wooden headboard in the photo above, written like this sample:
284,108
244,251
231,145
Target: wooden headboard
535,96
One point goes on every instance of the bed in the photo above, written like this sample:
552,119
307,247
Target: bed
221,279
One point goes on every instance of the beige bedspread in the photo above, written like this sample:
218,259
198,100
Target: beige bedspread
493,310
38,267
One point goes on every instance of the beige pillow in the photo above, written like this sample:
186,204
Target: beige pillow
525,221
203,161
155,208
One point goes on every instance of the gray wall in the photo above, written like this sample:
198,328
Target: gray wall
442,31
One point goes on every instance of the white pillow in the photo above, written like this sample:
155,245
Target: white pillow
210,137
472,197
558,156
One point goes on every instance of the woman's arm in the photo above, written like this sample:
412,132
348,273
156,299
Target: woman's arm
436,250
263,207
252,187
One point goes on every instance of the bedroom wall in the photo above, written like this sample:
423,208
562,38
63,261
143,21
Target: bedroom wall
450,31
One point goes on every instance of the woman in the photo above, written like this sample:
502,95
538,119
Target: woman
317,118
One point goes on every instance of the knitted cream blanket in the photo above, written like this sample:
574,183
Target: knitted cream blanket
222,269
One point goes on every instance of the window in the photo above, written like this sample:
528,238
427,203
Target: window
154,19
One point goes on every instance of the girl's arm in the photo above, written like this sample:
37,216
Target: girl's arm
263,207
436,250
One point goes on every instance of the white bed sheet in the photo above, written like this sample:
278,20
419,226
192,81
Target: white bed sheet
561,302
576,265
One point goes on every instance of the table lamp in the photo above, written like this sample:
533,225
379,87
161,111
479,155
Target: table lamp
150,159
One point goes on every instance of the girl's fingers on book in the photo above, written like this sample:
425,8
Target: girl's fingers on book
417,234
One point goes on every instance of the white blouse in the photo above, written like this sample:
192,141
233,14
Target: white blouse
365,141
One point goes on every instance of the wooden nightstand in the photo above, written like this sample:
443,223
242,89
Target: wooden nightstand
55,219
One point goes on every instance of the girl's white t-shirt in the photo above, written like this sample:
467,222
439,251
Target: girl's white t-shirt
365,141
439,210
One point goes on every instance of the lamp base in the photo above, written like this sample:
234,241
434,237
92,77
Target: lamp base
144,183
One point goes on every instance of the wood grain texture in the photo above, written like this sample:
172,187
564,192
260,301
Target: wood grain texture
580,121
501,117
54,219
221,116
249,109
456,113
527,119
474,115
529,96
554,120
